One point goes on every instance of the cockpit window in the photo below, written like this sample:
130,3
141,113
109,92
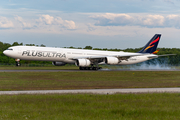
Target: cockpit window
9,49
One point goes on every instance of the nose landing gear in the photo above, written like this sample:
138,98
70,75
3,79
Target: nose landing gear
17,62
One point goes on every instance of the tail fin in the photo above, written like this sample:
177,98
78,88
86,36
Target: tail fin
151,46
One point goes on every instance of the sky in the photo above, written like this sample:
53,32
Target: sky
109,24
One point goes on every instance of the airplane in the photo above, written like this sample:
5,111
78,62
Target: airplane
84,59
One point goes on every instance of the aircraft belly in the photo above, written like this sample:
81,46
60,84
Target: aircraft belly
134,60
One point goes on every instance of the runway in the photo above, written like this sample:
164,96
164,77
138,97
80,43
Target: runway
69,70
95,91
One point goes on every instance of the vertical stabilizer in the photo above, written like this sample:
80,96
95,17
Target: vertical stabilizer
151,46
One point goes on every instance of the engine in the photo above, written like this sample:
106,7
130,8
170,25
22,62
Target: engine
111,60
83,62
58,63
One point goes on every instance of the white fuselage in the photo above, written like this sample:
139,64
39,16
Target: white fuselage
67,55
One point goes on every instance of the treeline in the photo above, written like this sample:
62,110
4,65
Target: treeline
173,60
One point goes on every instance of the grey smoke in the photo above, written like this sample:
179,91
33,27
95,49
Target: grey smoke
155,64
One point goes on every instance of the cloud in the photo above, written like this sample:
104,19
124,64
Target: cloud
47,19
25,25
45,23
173,21
56,21
111,19
65,23
149,21
90,27
5,23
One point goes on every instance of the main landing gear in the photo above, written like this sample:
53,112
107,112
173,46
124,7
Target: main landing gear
90,68
17,62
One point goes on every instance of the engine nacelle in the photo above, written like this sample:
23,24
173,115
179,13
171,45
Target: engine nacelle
58,63
83,62
111,60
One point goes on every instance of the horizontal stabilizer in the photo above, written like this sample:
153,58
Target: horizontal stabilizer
166,55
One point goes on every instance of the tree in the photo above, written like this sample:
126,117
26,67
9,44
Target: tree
16,44
88,47
30,44
42,45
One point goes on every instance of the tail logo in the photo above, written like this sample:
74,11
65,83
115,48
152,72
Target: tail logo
155,52
152,44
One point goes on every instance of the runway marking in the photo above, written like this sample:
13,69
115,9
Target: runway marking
95,91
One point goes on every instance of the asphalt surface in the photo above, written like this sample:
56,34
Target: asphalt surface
95,91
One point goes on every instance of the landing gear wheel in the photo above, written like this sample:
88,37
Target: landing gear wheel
99,68
90,68
80,68
18,64
95,68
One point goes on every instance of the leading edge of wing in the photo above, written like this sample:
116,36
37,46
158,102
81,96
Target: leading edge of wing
99,57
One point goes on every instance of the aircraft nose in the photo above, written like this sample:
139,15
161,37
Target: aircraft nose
5,52
8,53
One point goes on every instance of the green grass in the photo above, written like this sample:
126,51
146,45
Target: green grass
88,80
156,106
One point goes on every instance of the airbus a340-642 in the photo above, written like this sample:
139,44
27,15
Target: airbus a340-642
84,59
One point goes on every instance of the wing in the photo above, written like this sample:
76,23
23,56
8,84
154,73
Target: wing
99,59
